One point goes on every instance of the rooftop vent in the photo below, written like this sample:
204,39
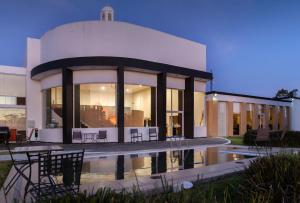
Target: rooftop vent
107,14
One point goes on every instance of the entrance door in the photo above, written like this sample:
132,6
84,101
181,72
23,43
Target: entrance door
222,119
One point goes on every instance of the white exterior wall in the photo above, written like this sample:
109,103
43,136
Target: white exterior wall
94,76
50,135
12,81
200,131
98,38
51,81
175,83
33,88
199,86
295,115
136,78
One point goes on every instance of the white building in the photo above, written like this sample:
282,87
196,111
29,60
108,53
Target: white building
12,98
115,76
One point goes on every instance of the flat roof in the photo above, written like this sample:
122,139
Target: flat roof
12,70
246,95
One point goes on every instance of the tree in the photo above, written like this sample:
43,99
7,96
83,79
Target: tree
283,93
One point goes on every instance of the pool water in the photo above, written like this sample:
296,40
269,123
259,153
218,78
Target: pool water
128,166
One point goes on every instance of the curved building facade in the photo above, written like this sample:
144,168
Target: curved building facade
113,76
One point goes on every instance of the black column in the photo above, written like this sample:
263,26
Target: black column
77,106
153,106
161,105
189,108
120,104
67,107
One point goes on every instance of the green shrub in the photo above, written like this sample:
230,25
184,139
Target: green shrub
291,139
275,178
249,137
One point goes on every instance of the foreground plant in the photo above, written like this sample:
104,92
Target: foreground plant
275,178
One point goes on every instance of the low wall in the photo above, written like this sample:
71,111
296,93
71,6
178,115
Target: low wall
51,135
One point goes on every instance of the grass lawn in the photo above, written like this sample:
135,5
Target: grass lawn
4,170
236,140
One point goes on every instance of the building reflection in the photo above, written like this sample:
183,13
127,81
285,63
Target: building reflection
126,167
159,163
120,167
188,159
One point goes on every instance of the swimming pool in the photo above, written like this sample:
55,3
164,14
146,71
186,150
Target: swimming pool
108,168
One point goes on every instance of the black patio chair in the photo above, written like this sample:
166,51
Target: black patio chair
77,135
68,166
153,134
102,135
135,135
20,167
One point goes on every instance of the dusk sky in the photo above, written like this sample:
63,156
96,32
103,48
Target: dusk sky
253,46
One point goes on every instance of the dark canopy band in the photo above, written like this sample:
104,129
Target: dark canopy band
117,62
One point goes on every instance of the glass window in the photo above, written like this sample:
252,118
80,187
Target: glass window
236,118
2,99
271,113
174,123
174,116
8,100
53,107
261,116
137,106
174,100
199,106
249,116
13,118
98,105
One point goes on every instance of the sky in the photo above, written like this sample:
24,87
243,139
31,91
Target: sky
253,46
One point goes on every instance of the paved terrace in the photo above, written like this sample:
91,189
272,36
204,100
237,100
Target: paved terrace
137,146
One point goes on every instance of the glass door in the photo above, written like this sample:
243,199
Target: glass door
174,116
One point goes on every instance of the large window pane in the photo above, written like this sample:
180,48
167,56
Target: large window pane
137,105
98,105
53,107
13,118
199,113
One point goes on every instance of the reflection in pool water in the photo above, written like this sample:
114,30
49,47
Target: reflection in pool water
127,166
